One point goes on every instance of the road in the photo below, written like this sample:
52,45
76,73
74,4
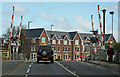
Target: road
62,69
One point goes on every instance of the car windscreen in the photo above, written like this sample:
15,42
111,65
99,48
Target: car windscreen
47,48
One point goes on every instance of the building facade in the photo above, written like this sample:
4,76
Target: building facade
66,45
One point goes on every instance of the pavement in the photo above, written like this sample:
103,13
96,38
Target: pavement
111,66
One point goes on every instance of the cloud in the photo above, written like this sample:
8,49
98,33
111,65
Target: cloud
62,24
46,16
83,25
38,3
112,7
20,9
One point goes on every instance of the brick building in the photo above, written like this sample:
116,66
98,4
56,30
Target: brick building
66,45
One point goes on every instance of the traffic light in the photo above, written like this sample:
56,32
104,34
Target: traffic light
94,40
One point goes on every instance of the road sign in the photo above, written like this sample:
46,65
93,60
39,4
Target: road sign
13,44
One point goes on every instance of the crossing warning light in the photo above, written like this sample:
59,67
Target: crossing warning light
94,40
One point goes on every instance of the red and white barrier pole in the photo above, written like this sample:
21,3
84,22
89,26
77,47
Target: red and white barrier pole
19,35
11,30
100,25
92,22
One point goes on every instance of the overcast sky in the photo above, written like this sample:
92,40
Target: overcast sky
66,16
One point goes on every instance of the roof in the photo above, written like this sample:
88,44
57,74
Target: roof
34,33
61,35
107,36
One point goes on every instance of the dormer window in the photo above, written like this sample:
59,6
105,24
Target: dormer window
54,42
76,42
65,42
43,39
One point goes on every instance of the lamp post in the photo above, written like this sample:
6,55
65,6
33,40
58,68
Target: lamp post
112,12
28,39
104,10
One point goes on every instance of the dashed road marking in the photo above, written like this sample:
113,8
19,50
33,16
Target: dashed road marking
67,69
28,70
30,66
26,75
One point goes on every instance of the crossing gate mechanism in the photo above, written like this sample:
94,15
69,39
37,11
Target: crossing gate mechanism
14,40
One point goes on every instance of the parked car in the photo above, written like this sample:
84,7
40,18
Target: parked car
45,53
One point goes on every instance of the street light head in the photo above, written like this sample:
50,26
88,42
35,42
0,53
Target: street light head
111,12
29,21
104,9
52,25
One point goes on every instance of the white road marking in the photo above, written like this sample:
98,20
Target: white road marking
67,69
29,66
28,70
26,75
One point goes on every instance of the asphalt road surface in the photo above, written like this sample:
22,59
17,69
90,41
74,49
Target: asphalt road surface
62,69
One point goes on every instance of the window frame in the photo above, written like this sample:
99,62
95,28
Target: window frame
44,40
76,42
53,41
65,42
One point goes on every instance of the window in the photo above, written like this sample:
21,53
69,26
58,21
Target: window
58,41
33,40
69,42
59,57
66,57
65,48
63,57
54,48
69,57
58,48
32,48
76,42
54,42
43,39
77,49
65,42
55,57
34,56
75,57
69,49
